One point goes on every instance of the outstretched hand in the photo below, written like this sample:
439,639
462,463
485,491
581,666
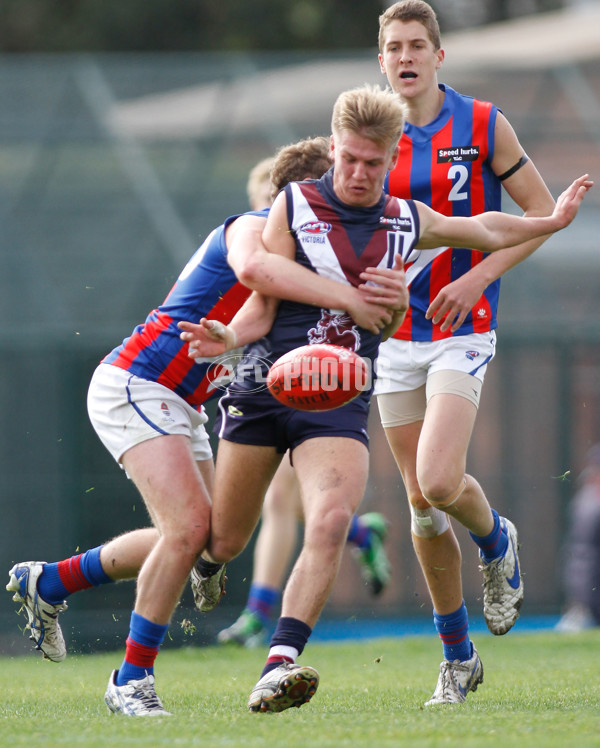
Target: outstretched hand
568,203
208,338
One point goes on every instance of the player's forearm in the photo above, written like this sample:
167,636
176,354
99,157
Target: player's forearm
273,275
498,263
254,319
517,236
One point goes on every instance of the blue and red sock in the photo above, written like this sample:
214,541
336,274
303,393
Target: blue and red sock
63,578
453,630
143,643
495,544
358,534
261,601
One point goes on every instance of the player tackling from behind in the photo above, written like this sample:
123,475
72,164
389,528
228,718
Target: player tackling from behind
145,402
339,226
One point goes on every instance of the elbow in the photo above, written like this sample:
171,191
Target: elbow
250,272
544,207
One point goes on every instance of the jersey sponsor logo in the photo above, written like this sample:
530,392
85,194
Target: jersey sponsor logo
457,153
398,223
233,411
335,328
315,227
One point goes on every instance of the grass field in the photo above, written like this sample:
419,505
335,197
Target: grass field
540,689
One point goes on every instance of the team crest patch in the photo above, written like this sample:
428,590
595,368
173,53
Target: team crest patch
471,355
315,227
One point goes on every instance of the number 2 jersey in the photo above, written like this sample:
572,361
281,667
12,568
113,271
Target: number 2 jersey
447,165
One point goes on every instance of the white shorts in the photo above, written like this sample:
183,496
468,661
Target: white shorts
410,373
126,410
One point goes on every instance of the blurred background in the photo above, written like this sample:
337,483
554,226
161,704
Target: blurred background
127,131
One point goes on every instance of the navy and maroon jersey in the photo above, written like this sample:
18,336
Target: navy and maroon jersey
206,287
338,242
447,165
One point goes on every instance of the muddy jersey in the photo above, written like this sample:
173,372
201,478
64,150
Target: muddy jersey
447,165
206,287
337,241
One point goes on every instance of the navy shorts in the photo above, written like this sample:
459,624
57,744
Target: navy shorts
257,418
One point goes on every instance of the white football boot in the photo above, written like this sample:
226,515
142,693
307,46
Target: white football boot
42,616
456,679
137,698
285,686
503,585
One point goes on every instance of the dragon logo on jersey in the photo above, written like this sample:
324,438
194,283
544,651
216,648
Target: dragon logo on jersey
337,329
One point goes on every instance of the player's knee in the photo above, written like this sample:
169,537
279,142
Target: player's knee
223,550
441,492
331,529
186,542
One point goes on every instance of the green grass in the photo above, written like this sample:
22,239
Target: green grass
540,690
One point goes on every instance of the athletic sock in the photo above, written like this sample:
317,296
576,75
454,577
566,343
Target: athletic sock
61,579
207,568
143,643
261,601
287,643
453,630
358,534
493,545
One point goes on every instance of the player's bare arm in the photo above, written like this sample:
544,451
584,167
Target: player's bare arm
262,253
493,231
212,338
529,191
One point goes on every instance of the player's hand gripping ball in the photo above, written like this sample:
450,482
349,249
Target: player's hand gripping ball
318,377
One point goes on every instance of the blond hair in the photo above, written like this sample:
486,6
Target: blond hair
259,181
411,10
375,113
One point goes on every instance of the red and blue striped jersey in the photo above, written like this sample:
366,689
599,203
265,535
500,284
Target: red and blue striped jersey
206,287
447,165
